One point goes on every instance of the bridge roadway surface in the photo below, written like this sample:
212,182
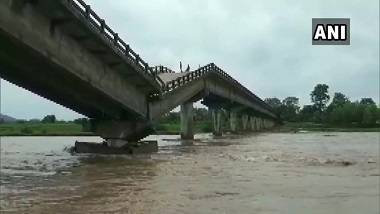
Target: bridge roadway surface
63,51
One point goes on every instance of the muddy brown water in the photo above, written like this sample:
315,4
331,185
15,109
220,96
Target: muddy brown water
261,173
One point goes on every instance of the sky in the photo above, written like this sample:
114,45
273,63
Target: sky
266,45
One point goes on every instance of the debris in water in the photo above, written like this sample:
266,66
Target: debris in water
371,161
250,159
329,135
332,162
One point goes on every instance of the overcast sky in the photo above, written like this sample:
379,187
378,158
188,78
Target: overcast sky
266,45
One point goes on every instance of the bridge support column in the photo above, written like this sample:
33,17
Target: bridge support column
119,133
264,121
217,122
187,121
244,120
121,137
233,121
257,124
252,125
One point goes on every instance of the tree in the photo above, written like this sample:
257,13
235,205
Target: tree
201,114
354,113
274,102
349,113
291,102
49,119
338,100
85,123
170,117
367,101
307,113
369,115
289,108
320,96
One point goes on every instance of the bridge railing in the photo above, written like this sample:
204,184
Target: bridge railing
211,68
171,85
162,69
99,24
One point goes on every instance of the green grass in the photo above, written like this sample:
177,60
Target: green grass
175,127
41,129
72,129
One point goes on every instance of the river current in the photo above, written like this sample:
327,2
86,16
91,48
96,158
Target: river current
258,173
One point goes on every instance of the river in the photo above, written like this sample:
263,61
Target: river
258,173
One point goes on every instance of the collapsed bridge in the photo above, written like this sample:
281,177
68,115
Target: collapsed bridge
63,51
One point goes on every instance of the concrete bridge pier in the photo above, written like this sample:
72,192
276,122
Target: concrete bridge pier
117,132
264,123
187,121
217,121
244,120
121,137
258,124
251,123
234,121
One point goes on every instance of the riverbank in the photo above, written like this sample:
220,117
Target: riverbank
42,129
314,127
174,128
73,129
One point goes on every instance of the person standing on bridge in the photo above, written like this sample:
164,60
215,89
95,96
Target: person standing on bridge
188,68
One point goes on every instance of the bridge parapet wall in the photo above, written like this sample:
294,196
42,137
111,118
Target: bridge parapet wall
80,8
161,69
208,70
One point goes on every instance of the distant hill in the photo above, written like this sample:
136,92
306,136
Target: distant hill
7,119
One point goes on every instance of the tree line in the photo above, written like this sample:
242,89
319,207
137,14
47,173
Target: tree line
340,111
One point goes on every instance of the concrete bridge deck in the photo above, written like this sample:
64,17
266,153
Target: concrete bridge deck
168,77
63,51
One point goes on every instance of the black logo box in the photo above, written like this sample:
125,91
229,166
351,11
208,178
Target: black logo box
332,21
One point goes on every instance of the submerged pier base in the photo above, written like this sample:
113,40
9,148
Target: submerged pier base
142,147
